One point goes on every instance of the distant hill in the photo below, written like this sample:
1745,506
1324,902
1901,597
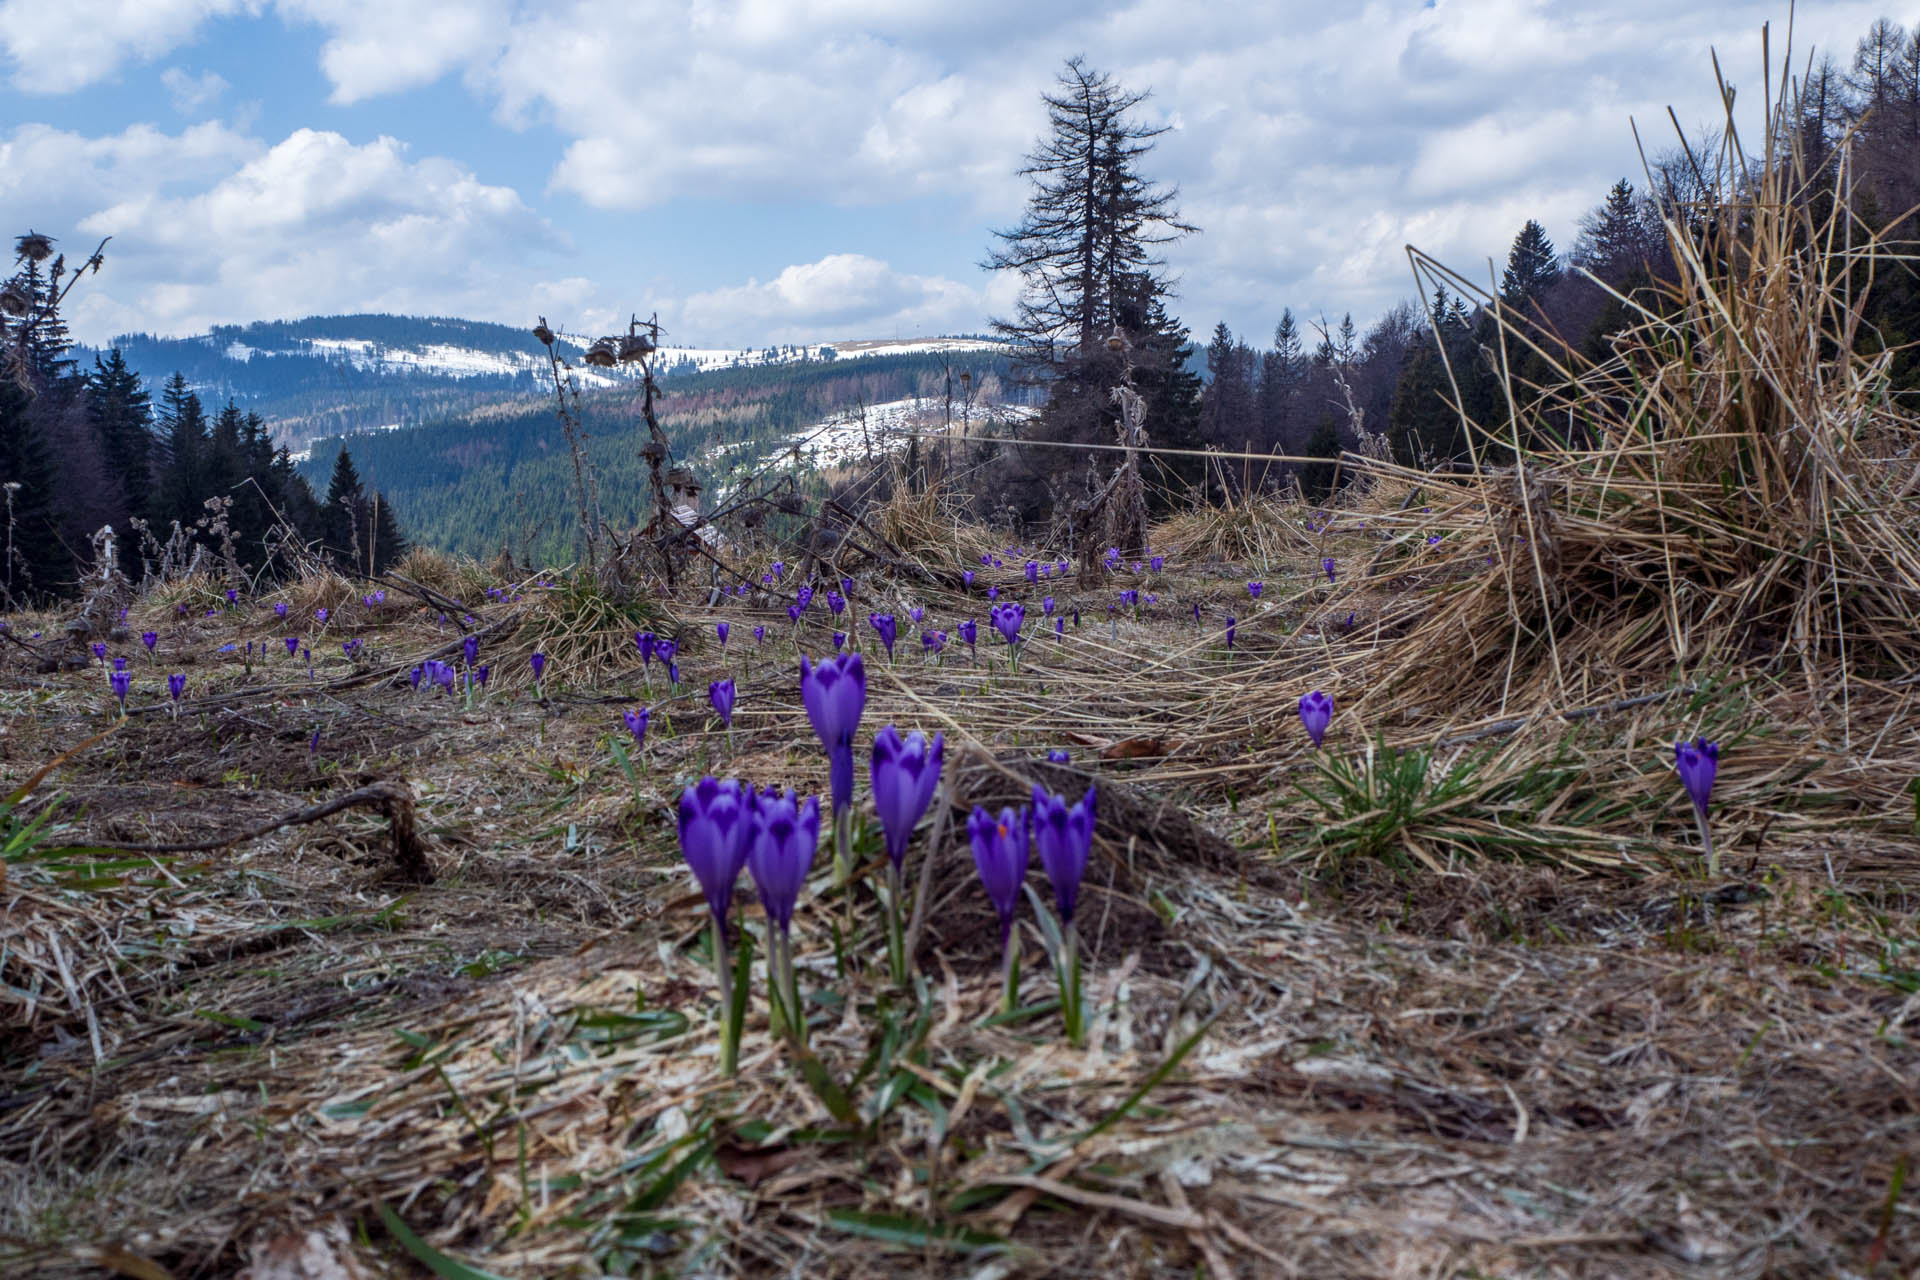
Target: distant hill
499,472
332,375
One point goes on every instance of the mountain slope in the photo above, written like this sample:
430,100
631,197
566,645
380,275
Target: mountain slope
332,375
502,474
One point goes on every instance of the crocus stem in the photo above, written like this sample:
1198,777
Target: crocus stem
842,837
1009,975
728,1041
1072,1013
647,673
776,982
796,1019
1706,842
729,739
896,936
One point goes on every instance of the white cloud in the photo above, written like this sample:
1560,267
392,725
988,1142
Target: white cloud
60,47
843,295
1311,141
384,46
191,93
211,227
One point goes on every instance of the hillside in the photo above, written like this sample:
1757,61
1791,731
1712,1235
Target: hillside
501,473
337,375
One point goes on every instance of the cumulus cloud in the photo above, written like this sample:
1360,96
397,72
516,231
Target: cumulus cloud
56,48
843,295
190,93
210,227
1312,142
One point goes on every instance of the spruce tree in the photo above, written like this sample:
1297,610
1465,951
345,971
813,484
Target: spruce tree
121,414
1091,312
344,512
180,489
1532,267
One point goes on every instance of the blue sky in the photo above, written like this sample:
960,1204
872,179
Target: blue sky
790,170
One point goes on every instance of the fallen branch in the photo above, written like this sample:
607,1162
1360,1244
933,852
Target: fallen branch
394,800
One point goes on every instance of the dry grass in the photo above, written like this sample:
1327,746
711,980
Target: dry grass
1474,1010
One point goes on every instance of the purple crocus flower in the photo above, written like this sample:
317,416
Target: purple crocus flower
1130,597
313,743
1316,713
1196,613
716,824
150,639
759,635
636,721
120,682
993,593
1063,834
846,587
1697,762
835,695
836,602
884,624
986,558
1229,633
933,641
803,597
918,614
1060,627
1255,588
413,677
1046,606
793,614
1349,619
1046,570
1000,850
720,629
480,674
321,614
233,597
100,650
1058,755
720,693
966,576
645,642
839,641
1327,564
470,648
673,673
1033,571
779,569
280,609
1007,619
538,661
1433,539
1136,566
969,631
350,647
293,646
176,685
780,851
905,774
1157,563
